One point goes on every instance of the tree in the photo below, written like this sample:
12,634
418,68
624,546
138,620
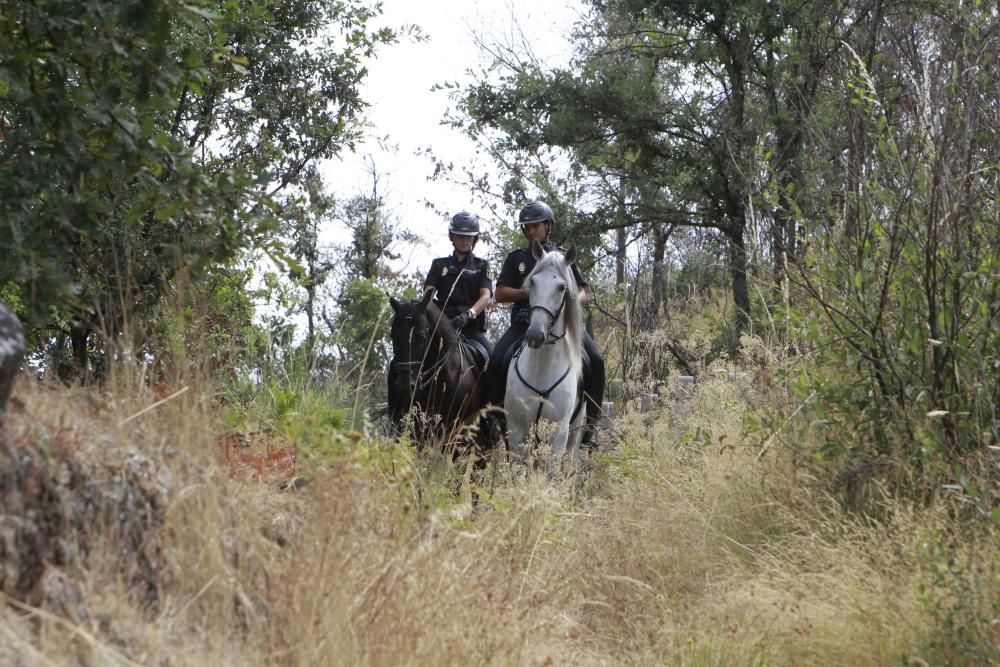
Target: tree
903,275
676,102
142,137
312,266
359,324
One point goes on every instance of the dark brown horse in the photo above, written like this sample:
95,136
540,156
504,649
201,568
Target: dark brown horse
434,376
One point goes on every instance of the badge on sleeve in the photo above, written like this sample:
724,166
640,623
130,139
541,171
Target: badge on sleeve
521,267
444,270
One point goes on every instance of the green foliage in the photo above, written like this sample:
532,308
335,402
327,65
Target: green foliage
140,138
295,400
666,111
92,183
902,300
205,325
296,406
356,334
362,324
371,236
309,267
958,597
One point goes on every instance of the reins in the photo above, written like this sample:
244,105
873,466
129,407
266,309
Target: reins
428,375
543,393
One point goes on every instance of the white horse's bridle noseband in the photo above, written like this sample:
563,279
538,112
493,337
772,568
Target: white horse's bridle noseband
550,338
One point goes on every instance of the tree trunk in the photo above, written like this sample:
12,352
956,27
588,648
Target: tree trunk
11,352
622,236
859,144
738,272
784,238
311,313
620,257
79,334
660,235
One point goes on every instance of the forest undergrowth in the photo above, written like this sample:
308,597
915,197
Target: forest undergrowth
692,537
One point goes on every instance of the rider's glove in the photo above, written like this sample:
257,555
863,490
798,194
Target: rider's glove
460,320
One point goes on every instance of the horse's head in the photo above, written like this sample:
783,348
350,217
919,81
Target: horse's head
428,369
550,286
410,331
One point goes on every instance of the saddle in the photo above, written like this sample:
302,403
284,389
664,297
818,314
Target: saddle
473,352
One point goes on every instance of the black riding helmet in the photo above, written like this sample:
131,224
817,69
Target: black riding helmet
464,223
536,211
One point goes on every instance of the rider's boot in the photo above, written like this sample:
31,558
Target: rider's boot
589,439
592,427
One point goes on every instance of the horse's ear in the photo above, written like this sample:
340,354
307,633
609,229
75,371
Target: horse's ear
428,295
537,250
570,255
394,303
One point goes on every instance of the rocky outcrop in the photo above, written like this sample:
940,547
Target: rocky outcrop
55,509
54,514
11,352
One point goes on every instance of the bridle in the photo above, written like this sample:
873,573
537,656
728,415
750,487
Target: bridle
550,338
425,376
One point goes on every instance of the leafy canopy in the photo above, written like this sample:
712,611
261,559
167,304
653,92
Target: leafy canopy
143,136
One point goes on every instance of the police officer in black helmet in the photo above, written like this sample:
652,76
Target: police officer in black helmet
461,281
536,220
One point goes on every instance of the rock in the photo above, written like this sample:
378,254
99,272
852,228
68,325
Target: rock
607,416
57,513
62,596
30,523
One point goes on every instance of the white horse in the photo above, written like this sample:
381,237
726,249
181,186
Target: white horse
543,381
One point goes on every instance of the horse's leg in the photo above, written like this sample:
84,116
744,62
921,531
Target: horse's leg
516,420
558,441
573,452
396,404
518,429
515,440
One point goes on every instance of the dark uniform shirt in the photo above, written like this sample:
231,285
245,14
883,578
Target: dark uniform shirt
458,284
516,268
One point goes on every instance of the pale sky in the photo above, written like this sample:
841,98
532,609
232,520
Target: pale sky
405,109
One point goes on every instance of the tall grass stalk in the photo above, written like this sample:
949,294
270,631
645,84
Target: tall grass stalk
682,546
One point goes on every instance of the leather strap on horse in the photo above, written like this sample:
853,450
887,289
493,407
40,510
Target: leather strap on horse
425,375
549,338
544,394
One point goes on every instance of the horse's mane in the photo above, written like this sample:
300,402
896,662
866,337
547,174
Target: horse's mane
440,324
437,323
572,311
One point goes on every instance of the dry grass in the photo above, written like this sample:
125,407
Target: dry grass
681,547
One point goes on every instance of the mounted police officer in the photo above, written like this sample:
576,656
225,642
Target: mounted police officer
462,289
461,281
536,220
